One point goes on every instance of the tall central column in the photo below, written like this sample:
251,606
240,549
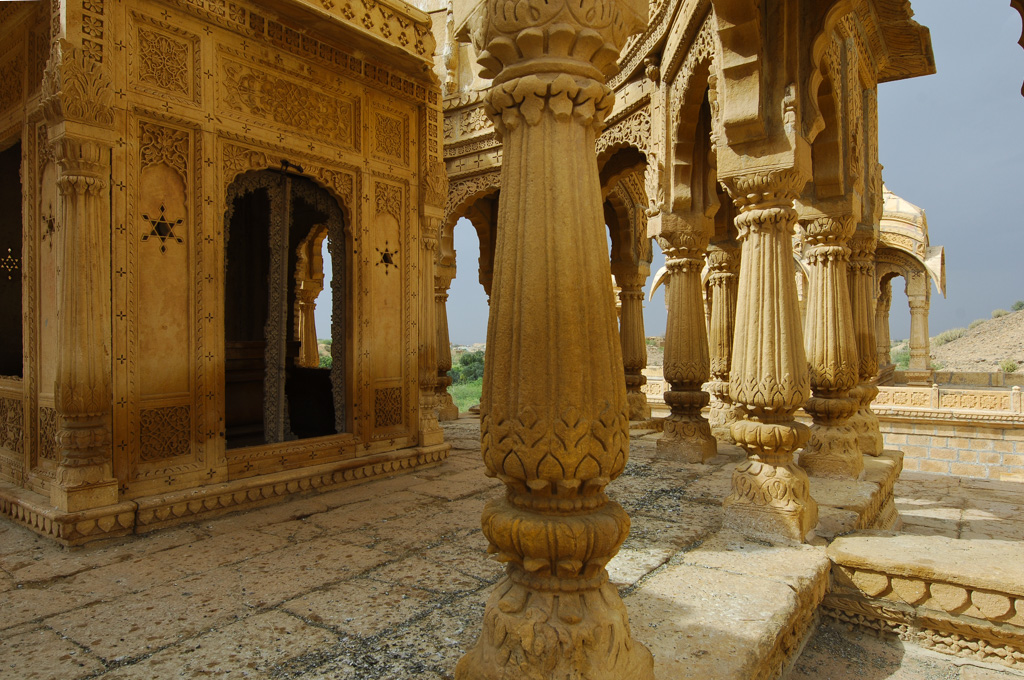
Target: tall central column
687,433
554,425
919,372
831,346
882,304
768,379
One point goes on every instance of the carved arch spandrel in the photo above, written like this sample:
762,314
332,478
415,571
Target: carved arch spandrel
463,193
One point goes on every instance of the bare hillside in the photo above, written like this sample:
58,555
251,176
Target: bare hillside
985,345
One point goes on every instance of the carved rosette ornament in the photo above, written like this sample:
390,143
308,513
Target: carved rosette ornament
687,433
831,347
723,263
862,281
633,339
554,423
768,378
77,101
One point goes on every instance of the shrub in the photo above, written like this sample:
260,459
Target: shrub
1018,305
326,361
937,365
998,313
949,336
466,394
901,358
974,324
1008,366
469,368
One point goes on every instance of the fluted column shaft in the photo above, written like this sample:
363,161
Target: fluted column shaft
768,378
305,303
687,364
723,262
554,420
831,348
634,341
862,282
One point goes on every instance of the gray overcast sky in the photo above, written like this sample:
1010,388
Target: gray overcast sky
952,143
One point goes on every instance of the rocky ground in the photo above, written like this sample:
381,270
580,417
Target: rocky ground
984,346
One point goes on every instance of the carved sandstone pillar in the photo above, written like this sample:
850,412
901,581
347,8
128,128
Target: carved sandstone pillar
723,261
435,193
919,372
77,102
633,339
554,421
687,434
883,303
768,378
446,408
862,282
831,348
305,303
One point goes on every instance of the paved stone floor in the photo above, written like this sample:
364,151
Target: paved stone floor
388,579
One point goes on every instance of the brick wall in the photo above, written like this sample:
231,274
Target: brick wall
965,449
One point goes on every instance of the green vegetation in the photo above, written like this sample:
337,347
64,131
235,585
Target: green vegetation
974,324
326,361
937,365
901,358
468,368
998,313
1018,305
467,394
948,336
1008,366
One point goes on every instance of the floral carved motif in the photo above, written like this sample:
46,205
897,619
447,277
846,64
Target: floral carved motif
12,421
264,95
11,83
159,144
388,199
75,87
164,61
387,406
48,433
390,136
165,432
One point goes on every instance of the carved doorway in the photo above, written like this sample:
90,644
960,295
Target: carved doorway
274,388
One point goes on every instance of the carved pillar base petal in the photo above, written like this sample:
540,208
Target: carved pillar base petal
538,635
865,422
639,409
446,408
688,440
771,493
723,413
832,450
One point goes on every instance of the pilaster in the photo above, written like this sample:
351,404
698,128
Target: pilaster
432,210
77,102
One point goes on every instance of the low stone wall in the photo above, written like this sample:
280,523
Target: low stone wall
969,379
963,432
968,433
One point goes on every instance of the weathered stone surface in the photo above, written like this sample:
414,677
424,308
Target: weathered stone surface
41,654
993,565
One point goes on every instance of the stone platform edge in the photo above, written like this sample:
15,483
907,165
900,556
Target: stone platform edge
932,608
141,515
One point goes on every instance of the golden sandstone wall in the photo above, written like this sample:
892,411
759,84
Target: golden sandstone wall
193,106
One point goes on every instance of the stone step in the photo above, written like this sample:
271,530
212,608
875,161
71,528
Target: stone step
960,597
